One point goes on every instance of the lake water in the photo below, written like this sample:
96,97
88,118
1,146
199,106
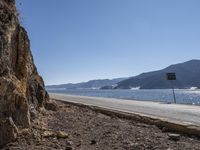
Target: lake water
182,96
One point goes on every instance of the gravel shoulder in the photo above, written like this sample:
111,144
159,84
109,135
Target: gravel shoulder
81,128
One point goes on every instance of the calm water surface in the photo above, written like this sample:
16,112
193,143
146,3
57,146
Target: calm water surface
182,96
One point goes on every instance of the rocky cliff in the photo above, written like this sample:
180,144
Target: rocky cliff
22,90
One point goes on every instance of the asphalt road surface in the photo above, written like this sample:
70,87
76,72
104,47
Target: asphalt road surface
183,114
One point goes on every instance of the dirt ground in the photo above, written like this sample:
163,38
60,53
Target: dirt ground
80,128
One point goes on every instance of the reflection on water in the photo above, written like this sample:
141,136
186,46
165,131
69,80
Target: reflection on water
182,96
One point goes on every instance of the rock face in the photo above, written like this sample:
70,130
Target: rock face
21,88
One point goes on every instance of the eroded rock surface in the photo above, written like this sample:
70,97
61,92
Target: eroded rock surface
21,88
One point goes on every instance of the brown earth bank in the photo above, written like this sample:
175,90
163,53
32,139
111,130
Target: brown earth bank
78,127
22,90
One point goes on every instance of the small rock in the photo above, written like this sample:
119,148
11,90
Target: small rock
47,134
174,137
135,146
51,106
61,134
164,129
78,145
69,145
93,142
8,130
68,148
24,131
33,113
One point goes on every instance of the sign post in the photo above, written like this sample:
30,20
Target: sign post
171,77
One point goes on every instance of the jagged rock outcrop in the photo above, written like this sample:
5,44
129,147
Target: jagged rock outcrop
22,90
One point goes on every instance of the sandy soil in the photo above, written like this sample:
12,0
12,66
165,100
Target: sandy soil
81,128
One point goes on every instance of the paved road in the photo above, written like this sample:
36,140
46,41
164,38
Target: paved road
184,114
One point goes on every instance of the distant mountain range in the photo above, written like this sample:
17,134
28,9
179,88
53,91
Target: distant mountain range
188,75
92,84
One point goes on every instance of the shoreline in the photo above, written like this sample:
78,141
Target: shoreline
127,99
185,97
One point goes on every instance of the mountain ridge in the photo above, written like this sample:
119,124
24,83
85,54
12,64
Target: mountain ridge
91,84
188,74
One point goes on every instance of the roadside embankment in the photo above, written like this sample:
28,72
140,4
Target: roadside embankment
75,127
183,119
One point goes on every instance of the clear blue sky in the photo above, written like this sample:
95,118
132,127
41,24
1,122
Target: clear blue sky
79,40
